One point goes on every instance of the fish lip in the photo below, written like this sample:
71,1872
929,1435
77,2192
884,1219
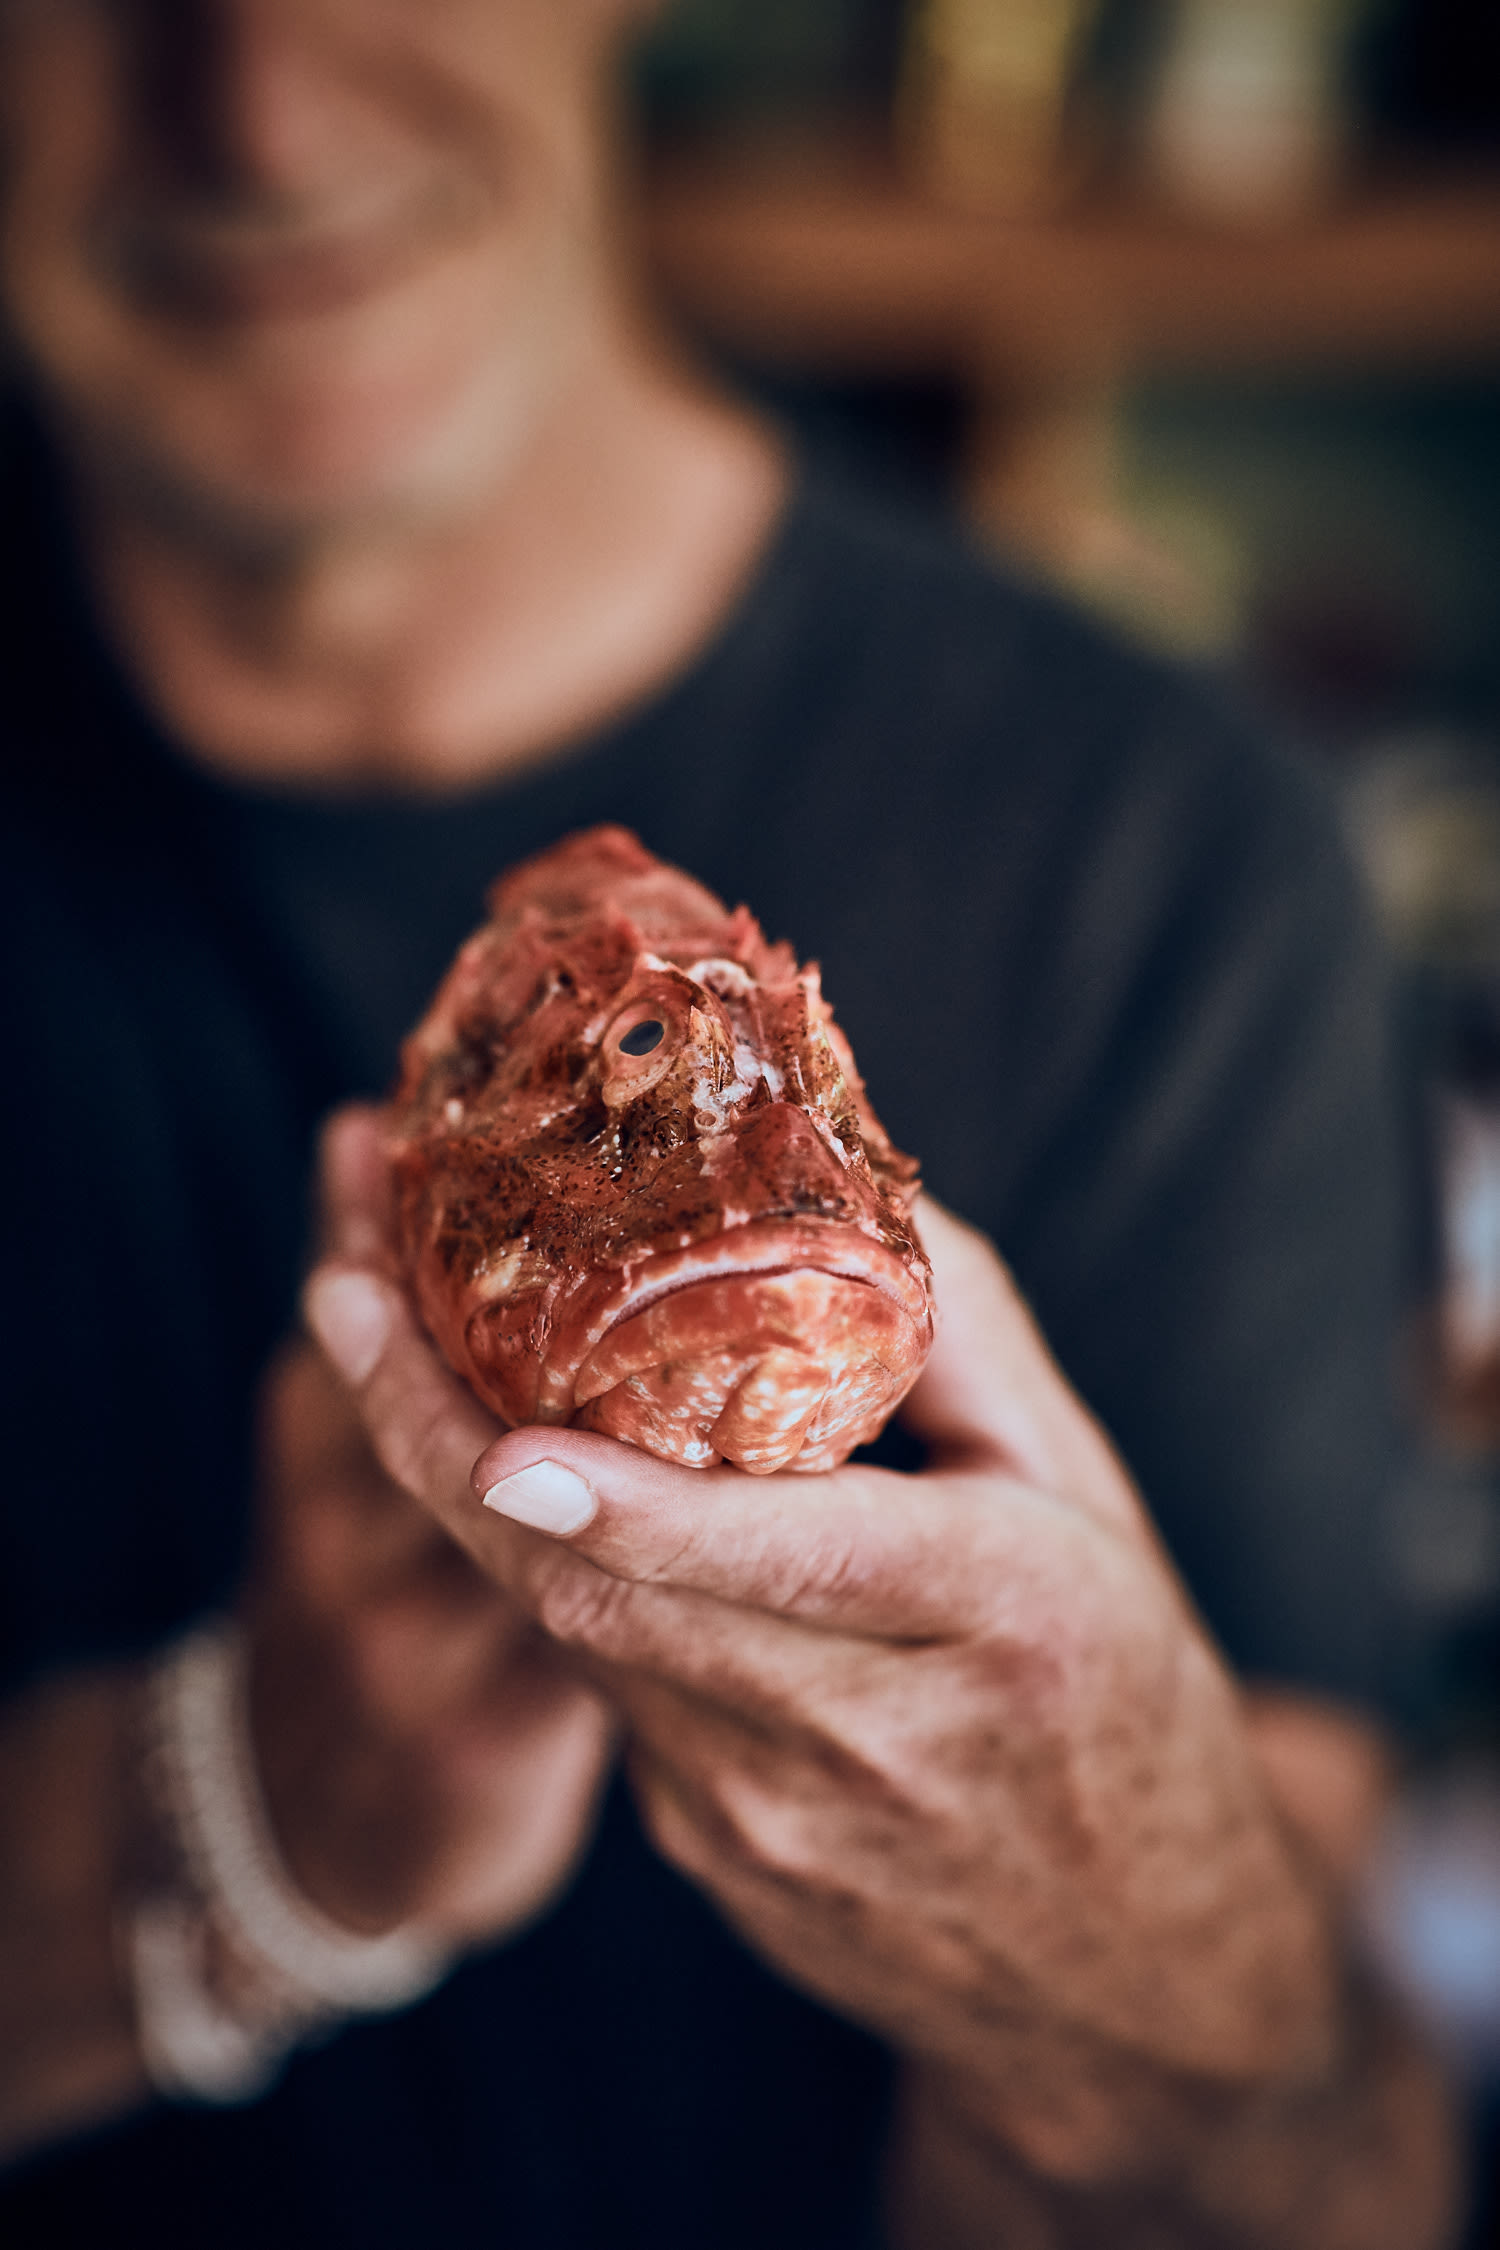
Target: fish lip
850,1254
790,1246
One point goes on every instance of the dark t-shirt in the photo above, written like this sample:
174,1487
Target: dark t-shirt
1103,967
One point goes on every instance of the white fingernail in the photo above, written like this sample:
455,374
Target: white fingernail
351,1319
547,1496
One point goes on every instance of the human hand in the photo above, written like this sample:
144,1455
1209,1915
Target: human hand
950,1750
427,1754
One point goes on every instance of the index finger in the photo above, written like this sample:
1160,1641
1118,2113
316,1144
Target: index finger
862,1551
354,1188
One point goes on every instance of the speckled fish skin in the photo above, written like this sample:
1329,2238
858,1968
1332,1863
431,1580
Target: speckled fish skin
703,1246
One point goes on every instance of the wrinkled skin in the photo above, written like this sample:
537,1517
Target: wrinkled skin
952,1752
640,1187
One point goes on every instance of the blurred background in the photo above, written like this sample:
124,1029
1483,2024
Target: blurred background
1193,308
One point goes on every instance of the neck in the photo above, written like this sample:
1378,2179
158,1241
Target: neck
435,654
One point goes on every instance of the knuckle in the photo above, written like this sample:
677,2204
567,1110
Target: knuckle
577,1604
678,1561
829,1569
409,1446
766,1833
679,1838
1026,1674
873,1765
838,1569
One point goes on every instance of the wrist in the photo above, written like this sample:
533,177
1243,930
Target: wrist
1368,2158
230,1966
1128,2153
1092,2113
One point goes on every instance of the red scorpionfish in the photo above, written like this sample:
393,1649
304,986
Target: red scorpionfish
639,1186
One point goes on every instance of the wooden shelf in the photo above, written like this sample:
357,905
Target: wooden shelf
859,275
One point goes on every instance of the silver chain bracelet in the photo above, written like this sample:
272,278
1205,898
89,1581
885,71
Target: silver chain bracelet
305,1972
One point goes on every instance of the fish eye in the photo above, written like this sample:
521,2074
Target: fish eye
643,1038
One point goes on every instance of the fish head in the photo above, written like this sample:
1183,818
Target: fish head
641,1187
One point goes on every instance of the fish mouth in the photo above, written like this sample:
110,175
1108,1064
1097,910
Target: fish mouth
761,1249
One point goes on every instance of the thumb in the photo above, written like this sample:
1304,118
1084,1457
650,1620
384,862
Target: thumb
354,1177
992,1392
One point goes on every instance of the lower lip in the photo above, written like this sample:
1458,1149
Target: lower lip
758,1250
831,1249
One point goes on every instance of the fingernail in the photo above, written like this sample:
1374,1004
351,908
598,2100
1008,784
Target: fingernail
351,1319
547,1496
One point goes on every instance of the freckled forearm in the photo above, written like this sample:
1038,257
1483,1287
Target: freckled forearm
1363,2159
1347,2142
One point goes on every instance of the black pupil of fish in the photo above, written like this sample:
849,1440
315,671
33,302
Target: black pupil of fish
641,1038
